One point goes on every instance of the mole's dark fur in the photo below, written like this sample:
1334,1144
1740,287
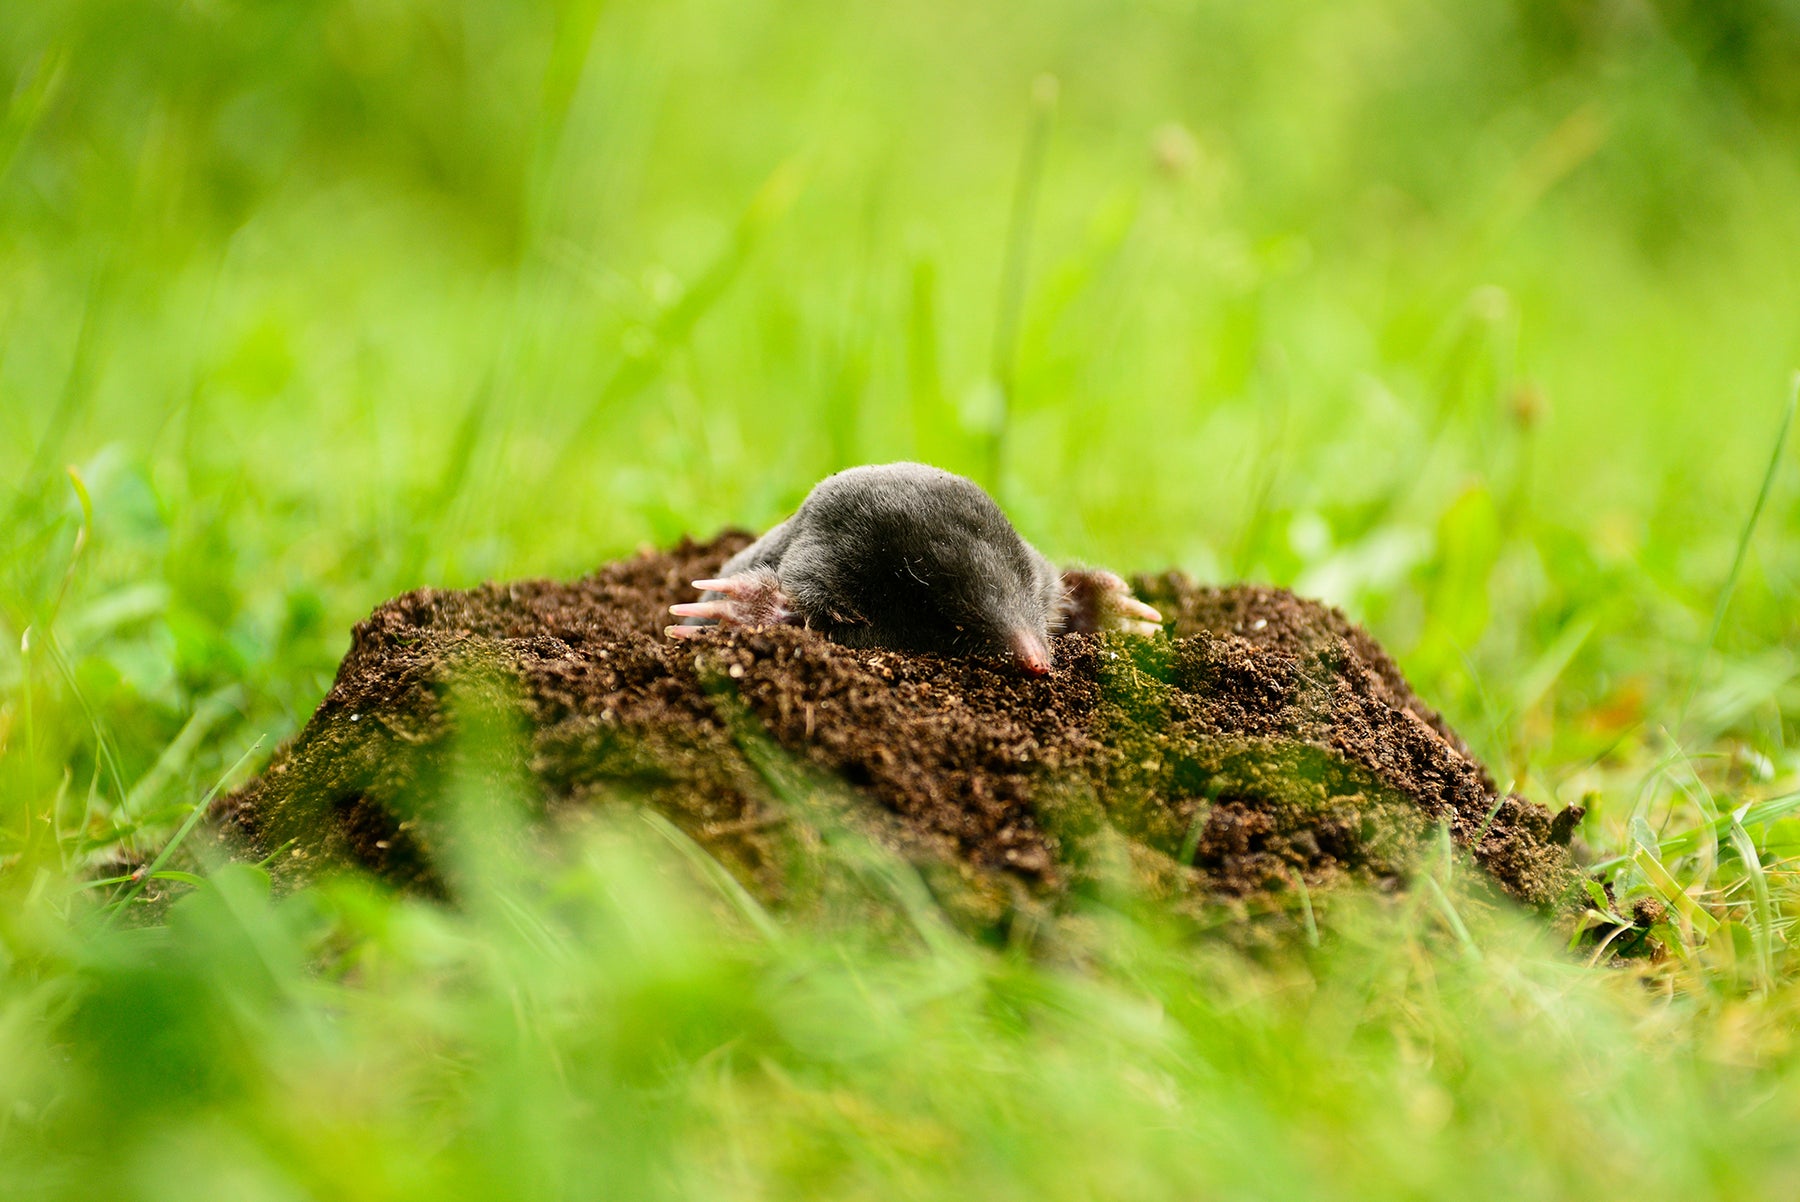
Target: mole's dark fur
911,557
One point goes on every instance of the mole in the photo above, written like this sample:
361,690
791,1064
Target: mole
913,558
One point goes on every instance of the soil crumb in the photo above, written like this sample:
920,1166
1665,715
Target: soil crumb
1268,749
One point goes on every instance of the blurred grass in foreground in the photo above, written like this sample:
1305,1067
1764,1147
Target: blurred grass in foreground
609,1027
1475,319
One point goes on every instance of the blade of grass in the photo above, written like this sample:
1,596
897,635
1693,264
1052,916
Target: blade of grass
1646,861
714,873
117,908
104,752
211,710
676,323
1771,809
1306,907
81,540
1542,675
30,100
1454,919
1743,550
166,874
1762,933
78,384
1014,269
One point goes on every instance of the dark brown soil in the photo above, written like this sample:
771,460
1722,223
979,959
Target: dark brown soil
1268,744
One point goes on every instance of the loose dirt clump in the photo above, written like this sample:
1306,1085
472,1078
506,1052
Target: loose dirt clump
1268,745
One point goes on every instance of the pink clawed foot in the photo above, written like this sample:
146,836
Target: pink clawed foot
747,599
1100,600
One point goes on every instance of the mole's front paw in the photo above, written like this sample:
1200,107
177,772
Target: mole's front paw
1100,600
747,599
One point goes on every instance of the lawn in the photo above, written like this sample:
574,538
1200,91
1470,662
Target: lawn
1477,320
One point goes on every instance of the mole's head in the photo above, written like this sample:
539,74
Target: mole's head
993,594
928,562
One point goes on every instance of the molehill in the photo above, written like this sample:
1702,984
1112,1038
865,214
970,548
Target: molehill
1267,747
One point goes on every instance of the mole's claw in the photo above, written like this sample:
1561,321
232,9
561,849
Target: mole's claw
752,598
1095,599
682,632
717,611
1130,607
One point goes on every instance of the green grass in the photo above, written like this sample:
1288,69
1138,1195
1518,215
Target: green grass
1477,320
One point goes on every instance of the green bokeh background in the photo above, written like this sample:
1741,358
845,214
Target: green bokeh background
1476,319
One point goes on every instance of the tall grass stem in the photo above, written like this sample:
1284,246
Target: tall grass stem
1743,551
187,828
1015,270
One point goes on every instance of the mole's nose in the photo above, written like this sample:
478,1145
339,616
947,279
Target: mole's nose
1031,652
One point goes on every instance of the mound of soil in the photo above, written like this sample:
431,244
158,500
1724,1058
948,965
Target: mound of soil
1266,745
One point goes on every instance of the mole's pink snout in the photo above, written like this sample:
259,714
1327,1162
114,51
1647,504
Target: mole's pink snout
1031,651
